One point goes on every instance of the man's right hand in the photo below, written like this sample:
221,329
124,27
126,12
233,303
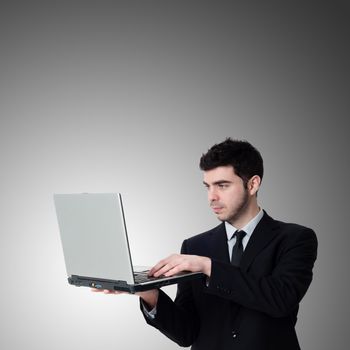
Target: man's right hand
149,297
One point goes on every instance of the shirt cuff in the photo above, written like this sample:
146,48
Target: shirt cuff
151,314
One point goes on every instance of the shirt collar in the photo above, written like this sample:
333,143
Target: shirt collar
248,228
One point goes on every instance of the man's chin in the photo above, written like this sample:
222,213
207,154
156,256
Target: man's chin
221,217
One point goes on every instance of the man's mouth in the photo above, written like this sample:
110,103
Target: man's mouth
217,209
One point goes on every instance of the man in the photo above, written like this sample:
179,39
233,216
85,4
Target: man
258,269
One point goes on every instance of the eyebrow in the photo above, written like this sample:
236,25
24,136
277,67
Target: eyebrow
219,182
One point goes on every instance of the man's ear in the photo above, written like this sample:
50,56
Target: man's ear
253,184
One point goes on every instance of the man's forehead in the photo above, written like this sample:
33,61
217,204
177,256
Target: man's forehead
222,173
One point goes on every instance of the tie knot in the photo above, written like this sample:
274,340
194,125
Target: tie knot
239,235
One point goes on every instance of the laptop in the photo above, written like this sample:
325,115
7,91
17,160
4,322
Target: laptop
96,248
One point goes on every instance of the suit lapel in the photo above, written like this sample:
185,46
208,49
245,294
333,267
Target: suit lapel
218,244
264,232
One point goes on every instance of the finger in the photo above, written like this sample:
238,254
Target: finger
173,271
107,291
184,264
157,267
169,264
165,270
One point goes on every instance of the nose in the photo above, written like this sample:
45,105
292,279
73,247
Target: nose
212,195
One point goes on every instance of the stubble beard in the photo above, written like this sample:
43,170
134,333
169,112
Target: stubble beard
241,208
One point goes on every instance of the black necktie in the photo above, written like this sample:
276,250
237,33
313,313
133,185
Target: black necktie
237,250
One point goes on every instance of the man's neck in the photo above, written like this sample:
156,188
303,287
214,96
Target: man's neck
250,213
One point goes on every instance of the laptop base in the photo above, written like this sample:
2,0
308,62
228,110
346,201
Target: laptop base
122,286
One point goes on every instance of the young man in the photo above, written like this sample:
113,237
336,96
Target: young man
258,269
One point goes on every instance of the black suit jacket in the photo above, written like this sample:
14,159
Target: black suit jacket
251,307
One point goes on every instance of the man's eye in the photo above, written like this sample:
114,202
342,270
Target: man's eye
223,185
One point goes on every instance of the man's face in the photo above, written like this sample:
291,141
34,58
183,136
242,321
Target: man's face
227,195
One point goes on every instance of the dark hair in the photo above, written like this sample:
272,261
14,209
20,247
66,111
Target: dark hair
245,159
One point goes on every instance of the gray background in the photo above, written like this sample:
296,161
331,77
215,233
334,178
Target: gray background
125,96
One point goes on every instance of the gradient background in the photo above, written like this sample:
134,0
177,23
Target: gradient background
125,96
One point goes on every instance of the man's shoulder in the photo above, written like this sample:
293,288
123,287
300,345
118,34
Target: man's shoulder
268,221
207,234
292,230
292,227
201,243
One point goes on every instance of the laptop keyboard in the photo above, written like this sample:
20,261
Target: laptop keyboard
141,277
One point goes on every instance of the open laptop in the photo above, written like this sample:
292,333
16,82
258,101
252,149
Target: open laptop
96,248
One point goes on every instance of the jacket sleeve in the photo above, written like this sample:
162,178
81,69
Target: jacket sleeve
178,319
278,293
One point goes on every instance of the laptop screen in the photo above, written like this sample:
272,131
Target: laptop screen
93,235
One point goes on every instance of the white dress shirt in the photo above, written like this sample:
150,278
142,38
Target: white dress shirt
248,229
